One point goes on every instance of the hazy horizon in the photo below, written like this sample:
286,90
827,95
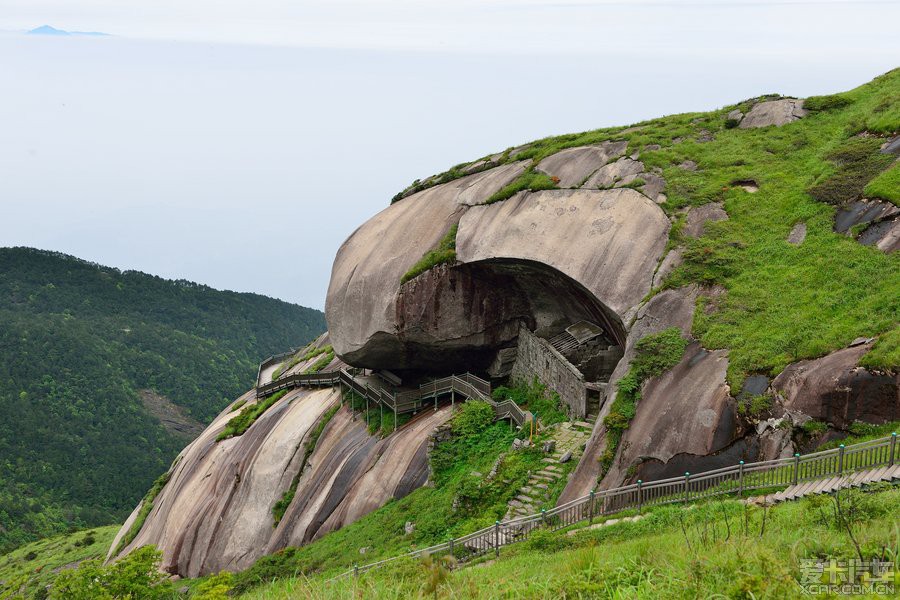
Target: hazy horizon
203,152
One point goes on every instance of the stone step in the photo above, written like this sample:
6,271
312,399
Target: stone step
542,486
524,499
553,476
553,468
549,460
583,424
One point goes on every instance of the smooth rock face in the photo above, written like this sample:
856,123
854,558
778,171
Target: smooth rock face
884,235
215,512
610,241
574,165
699,216
538,258
365,278
614,172
687,410
773,112
834,389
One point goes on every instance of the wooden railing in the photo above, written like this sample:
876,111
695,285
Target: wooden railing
735,479
468,386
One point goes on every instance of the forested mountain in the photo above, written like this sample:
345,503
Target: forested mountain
88,355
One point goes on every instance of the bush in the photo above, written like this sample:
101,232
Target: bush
472,418
536,398
831,102
136,576
858,161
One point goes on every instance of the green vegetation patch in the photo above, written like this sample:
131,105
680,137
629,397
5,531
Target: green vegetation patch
28,570
321,363
830,102
886,186
248,416
444,253
536,398
136,576
857,162
655,354
531,180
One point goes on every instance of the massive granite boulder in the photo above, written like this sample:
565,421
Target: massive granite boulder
773,112
547,257
215,511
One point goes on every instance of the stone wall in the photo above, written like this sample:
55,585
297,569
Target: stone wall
536,357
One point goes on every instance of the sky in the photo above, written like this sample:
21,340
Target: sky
238,144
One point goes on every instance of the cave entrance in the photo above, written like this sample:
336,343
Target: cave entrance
467,317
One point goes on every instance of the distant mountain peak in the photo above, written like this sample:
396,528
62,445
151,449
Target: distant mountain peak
48,30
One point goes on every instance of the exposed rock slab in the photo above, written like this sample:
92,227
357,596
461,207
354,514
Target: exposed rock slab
836,390
797,234
673,259
774,112
611,174
215,512
863,211
573,165
687,410
884,235
699,216
610,241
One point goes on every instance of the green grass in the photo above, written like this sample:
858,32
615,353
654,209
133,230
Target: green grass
720,549
885,354
536,398
28,569
248,415
530,180
146,507
857,162
864,432
460,501
886,186
321,363
444,253
302,357
654,355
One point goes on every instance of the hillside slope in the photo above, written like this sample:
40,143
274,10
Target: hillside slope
105,375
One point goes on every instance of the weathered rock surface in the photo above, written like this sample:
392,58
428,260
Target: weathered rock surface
774,112
836,390
672,261
574,165
797,234
215,512
688,410
538,257
699,216
882,220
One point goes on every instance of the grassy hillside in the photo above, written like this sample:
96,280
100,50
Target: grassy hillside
25,571
718,549
79,341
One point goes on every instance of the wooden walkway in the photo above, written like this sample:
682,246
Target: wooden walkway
832,484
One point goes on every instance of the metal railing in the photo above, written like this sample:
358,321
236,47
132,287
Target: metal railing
468,386
780,473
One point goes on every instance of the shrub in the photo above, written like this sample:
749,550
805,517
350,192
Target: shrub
535,397
136,576
858,161
830,102
814,428
755,406
444,253
216,587
472,418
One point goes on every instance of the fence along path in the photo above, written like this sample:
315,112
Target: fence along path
824,471
468,386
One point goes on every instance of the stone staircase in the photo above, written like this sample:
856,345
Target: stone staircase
568,439
827,486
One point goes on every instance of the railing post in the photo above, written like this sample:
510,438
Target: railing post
395,414
796,468
687,480
356,570
741,479
497,538
451,546
544,516
591,508
640,495
893,449
841,459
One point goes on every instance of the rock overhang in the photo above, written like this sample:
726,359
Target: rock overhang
568,254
